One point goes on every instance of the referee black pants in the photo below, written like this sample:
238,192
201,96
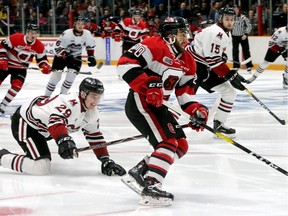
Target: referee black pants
236,41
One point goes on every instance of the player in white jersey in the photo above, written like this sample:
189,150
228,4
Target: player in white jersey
278,45
213,74
43,118
68,51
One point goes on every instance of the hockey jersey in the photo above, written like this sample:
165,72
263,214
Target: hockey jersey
132,30
72,44
279,40
208,46
154,57
63,114
20,53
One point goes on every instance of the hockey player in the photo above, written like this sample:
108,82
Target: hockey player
278,45
16,53
108,27
154,69
133,29
55,118
213,74
68,51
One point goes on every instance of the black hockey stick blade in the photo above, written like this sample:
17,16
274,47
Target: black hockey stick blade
282,121
99,66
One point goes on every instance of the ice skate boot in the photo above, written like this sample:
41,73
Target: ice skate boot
153,195
135,177
221,128
3,152
2,108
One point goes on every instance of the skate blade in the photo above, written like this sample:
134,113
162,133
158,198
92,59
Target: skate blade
132,184
156,202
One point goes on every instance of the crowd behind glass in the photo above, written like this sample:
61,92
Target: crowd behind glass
15,14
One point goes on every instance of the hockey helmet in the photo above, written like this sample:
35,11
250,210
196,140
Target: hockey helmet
137,12
171,26
91,85
79,19
226,11
32,27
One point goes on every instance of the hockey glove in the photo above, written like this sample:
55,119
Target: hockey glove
109,167
91,61
45,68
235,80
154,93
199,114
224,57
66,146
3,64
284,54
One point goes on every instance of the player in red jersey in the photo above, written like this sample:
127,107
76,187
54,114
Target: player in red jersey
108,27
133,29
154,69
16,53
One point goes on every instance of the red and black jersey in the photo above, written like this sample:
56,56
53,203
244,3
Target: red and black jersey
132,30
20,53
154,57
108,28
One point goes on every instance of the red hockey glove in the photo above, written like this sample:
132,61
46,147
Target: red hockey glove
154,93
45,68
3,64
199,114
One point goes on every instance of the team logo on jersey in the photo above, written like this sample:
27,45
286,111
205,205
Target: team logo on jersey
220,35
171,128
167,60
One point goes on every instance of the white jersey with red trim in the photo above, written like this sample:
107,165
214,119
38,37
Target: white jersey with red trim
132,30
62,111
154,57
20,53
73,44
279,38
208,46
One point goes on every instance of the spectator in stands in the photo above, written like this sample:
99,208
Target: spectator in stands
253,20
214,12
183,11
161,11
281,19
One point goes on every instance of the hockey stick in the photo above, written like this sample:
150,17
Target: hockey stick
127,139
282,121
227,139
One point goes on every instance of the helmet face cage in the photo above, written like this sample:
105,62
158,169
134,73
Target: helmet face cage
226,11
91,85
171,26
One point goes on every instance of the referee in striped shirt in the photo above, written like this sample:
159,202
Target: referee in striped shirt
242,27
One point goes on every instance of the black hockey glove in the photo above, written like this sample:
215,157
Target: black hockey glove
284,54
224,57
235,80
92,61
66,147
109,167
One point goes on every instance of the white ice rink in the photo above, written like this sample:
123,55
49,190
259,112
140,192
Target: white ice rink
215,178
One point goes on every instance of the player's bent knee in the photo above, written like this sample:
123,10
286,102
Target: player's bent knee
41,167
17,84
182,148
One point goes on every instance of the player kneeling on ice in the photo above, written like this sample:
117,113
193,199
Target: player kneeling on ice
154,69
54,118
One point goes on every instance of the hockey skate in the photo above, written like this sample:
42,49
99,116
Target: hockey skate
3,152
285,82
2,108
135,177
153,195
221,128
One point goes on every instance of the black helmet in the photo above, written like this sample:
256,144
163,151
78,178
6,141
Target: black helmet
171,25
91,85
226,11
79,19
137,11
32,27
